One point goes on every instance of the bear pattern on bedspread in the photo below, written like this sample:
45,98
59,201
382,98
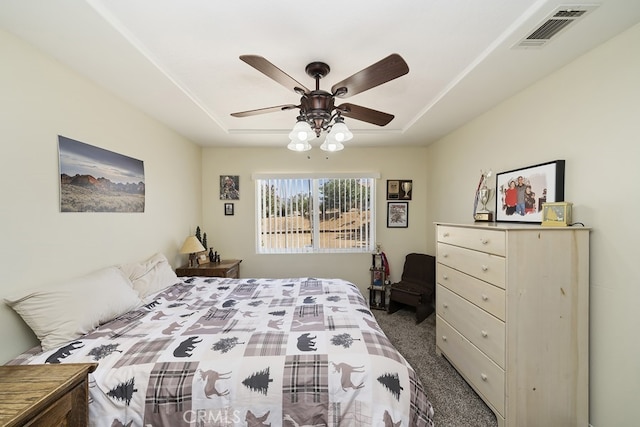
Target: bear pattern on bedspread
247,352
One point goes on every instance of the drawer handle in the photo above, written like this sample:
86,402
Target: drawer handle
484,297
484,268
484,241
444,338
445,277
484,334
445,305
445,255
445,234
484,377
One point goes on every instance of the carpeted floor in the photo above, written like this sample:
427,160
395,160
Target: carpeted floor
454,402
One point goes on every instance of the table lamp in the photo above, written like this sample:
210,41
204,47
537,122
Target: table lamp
191,246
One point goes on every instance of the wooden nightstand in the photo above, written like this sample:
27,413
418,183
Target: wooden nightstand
225,268
45,395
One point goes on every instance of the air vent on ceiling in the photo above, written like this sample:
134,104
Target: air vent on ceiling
559,20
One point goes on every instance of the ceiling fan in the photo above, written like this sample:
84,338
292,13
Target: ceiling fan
317,109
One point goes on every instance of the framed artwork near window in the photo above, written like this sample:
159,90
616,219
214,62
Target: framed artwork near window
229,187
397,214
393,189
520,193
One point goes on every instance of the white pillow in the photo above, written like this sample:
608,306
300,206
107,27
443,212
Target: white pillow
151,275
64,311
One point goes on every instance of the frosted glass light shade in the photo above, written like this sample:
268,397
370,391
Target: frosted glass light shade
301,132
299,146
340,132
330,144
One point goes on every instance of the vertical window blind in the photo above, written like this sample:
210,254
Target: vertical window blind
315,214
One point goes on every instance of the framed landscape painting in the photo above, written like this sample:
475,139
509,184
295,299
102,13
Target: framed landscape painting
520,193
93,179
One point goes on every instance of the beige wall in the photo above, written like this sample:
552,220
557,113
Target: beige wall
234,236
587,114
39,245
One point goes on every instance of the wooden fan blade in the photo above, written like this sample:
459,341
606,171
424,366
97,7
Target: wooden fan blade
265,110
268,69
365,114
387,69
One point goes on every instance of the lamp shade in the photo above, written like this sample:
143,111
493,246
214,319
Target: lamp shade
331,144
191,245
340,132
301,132
299,146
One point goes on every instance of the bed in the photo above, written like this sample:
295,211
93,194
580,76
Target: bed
253,352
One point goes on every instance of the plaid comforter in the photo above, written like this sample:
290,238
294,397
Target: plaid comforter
247,352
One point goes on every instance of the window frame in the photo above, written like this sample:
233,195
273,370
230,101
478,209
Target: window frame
316,179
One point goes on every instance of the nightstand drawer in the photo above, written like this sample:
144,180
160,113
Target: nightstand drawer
487,267
55,415
485,295
489,241
482,329
225,268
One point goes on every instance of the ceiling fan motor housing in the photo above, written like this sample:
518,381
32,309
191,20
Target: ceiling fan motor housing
316,108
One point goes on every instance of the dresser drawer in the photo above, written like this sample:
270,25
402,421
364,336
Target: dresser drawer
486,296
482,329
490,241
486,377
487,267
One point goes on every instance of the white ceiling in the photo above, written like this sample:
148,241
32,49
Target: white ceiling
179,60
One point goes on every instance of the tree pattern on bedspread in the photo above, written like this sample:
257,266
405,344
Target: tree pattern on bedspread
250,352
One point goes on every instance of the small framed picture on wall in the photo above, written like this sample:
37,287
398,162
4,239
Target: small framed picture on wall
397,214
228,208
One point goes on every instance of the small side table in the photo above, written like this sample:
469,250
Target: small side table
226,268
378,297
45,395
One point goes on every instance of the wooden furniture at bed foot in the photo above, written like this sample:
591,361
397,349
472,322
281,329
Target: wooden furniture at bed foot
226,268
512,316
45,395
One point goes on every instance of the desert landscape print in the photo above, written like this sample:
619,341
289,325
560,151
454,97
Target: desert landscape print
93,179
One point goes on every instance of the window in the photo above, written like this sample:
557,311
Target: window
303,214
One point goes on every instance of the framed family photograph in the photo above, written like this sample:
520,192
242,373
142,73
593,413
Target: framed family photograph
520,193
397,214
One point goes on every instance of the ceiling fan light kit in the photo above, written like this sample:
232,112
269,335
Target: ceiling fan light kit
317,110
331,145
299,146
301,132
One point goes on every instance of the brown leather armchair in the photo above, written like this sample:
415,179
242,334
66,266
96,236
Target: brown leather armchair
417,287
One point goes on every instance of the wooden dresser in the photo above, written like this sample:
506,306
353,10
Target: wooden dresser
45,395
512,305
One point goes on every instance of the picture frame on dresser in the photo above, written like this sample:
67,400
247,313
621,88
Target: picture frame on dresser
521,192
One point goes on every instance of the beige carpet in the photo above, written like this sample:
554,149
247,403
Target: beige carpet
454,402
